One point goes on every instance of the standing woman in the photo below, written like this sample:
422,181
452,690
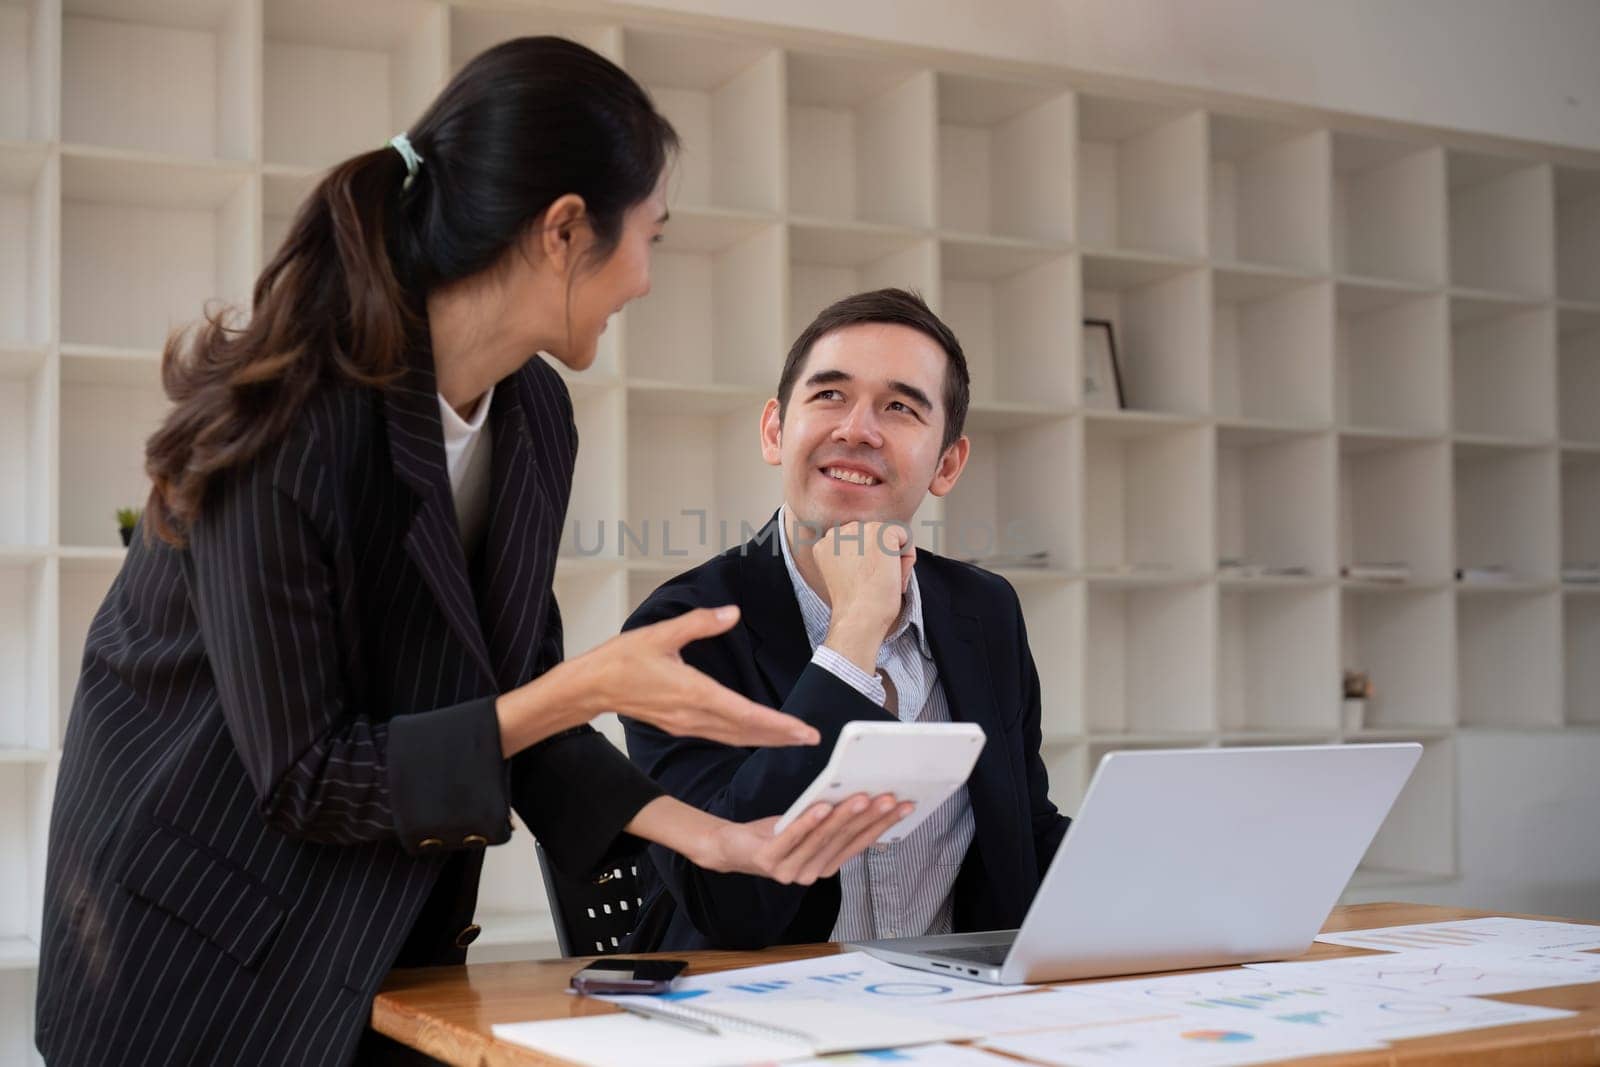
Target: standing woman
332,665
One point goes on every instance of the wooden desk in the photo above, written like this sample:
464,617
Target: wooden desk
447,1011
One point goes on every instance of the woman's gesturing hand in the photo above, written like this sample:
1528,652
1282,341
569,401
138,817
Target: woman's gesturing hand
814,846
641,674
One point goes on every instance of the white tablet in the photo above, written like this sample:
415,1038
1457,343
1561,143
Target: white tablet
923,762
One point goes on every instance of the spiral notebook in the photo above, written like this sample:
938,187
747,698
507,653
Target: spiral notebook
678,1034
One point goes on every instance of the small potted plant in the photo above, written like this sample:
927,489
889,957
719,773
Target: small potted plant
127,519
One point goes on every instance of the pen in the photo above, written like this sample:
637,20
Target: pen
667,1017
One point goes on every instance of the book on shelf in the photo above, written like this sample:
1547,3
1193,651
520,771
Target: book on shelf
1395,571
1486,574
1581,573
999,560
1228,567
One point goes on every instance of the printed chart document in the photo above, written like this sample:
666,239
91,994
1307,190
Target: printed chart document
849,977
1178,1041
1464,972
1235,999
1540,935
1046,1009
678,1033
921,1056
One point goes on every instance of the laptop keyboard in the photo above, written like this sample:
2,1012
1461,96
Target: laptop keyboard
994,955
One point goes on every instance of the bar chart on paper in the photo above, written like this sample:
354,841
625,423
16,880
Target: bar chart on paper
850,977
1540,935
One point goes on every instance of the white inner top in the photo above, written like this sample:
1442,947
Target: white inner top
466,453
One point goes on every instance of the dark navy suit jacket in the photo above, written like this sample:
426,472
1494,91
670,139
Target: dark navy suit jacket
975,629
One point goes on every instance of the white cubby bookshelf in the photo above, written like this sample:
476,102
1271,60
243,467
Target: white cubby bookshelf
1341,341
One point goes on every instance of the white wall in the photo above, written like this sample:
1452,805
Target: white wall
1515,68
1529,825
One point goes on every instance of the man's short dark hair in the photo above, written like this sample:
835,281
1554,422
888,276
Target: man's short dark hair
897,307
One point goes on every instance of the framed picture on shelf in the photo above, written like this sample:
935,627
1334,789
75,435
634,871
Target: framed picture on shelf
1102,377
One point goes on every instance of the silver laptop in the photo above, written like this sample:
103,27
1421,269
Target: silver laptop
1188,858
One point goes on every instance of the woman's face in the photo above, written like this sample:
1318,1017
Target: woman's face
599,292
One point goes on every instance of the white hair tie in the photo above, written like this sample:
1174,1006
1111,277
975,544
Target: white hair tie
402,144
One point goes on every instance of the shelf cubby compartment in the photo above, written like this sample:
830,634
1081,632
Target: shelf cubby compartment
1276,667
1389,210
1580,508
1014,312
83,584
862,140
1391,359
27,436
1507,511
163,78
109,408
511,892
1150,660
1509,659
1581,624
18,990
28,196
997,506
593,601
725,99
145,246
474,30
1271,195
827,263
1067,767
1501,225
1141,176
341,79
1276,499
25,793
1419,836
1503,357
1579,376
29,54
715,305
1053,613
1160,312
1005,158
27,601
1147,500
1395,504
1404,641
1578,234
680,521
281,198
1272,347
590,525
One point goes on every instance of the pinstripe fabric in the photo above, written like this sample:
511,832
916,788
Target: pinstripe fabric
902,889
283,739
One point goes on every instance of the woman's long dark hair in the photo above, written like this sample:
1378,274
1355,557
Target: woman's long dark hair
522,124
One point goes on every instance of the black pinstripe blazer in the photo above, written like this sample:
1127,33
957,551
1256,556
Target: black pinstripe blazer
283,763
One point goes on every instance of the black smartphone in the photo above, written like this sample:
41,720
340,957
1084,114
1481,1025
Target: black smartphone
610,974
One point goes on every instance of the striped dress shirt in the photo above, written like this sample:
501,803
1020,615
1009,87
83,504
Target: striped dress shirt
902,889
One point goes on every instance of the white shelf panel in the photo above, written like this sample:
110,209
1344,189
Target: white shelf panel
1581,658
1391,359
1141,176
283,191
828,262
1503,368
1419,836
30,54
1577,227
863,139
1160,311
28,201
17,992
1580,509
25,793
1506,502
1271,193
1389,214
1005,158
1272,340
177,79
1016,317
996,507
1509,656
1278,669
340,79
105,421
83,587
1501,224
1066,765
27,432
1054,615
474,30
27,605
1276,500
1150,665
1395,504
1579,376
1404,641
725,98
1147,497
600,479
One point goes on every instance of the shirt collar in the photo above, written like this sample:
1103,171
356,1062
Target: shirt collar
817,614
454,426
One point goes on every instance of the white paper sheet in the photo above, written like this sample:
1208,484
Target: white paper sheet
852,977
1540,935
922,1056
1466,972
1238,997
1045,1009
1176,1041
616,1041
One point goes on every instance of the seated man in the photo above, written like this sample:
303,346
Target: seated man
843,619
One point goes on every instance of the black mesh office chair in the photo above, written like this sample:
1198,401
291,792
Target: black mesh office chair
592,917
